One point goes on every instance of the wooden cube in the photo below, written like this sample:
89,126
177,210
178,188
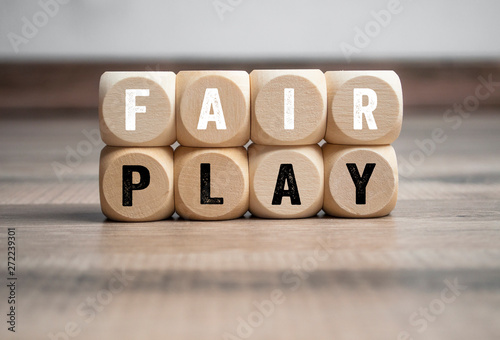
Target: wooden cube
360,181
288,107
137,108
211,183
213,108
285,181
364,107
136,184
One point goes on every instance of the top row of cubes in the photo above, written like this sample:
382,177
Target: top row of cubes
270,107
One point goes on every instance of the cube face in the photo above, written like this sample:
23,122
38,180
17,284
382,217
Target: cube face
211,183
360,181
288,107
213,108
364,107
137,108
285,182
136,184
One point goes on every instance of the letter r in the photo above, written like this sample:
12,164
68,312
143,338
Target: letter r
367,110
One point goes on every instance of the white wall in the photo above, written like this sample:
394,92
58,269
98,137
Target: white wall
249,29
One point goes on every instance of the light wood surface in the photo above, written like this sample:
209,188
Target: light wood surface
213,108
364,107
360,181
211,183
143,117
194,280
288,107
285,181
142,192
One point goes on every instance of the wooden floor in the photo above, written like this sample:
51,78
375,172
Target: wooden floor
330,278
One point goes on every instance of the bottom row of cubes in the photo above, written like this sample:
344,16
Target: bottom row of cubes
150,183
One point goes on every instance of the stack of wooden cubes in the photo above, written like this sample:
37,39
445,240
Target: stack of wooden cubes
213,115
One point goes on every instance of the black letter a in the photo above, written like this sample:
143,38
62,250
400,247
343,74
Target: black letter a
128,186
286,173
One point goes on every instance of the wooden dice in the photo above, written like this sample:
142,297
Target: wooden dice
285,181
211,183
288,107
360,181
364,107
137,108
136,184
214,114
213,108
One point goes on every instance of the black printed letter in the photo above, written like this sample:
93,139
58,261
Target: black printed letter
128,186
286,173
360,182
205,186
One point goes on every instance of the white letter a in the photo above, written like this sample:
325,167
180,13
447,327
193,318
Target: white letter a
211,99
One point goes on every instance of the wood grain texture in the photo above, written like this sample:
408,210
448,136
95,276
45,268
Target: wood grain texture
187,279
285,181
360,181
298,120
155,126
386,112
142,176
232,95
211,183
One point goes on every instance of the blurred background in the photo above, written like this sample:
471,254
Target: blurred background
94,30
52,52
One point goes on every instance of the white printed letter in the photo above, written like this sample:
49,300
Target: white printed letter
289,109
131,109
211,99
367,110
